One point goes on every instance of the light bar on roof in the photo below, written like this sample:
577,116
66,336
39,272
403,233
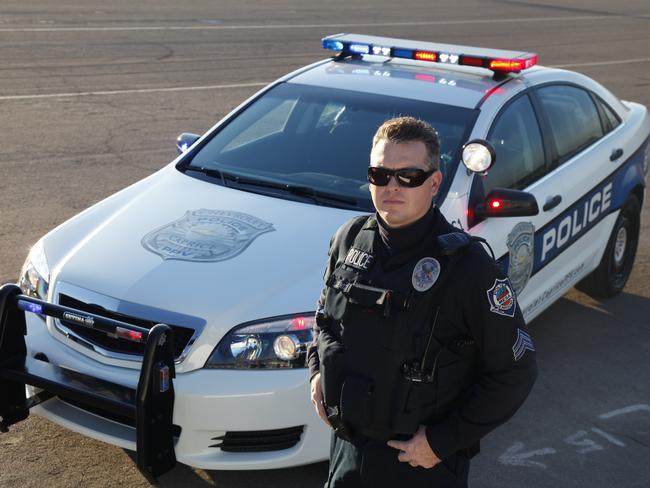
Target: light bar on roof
497,60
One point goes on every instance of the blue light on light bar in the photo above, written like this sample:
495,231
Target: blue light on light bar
360,48
403,53
30,307
332,45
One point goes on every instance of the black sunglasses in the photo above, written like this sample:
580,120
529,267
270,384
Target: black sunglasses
408,177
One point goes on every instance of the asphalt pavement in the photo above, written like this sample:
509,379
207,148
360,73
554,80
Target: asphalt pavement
93,95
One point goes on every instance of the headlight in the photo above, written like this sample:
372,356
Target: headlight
279,342
35,275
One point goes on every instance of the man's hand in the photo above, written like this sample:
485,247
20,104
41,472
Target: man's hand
317,398
416,451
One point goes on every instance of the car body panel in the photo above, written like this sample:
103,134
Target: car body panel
266,261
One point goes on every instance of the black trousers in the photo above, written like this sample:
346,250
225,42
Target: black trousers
366,463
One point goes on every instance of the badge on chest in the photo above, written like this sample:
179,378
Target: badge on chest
425,273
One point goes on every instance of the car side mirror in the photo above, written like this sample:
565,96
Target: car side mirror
503,202
185,140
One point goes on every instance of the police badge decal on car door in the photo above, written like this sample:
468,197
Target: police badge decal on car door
521,248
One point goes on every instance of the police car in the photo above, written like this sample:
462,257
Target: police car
228,243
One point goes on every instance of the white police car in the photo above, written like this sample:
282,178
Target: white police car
228,243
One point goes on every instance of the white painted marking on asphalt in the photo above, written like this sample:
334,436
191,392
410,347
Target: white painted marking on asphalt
240,85
126,92
306,26
624,410
602,63
607,436
514,457
580,439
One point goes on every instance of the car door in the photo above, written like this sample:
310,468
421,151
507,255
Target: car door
588,150
523,162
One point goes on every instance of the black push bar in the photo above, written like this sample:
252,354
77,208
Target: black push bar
150,406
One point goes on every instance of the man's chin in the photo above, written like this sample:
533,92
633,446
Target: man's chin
393,219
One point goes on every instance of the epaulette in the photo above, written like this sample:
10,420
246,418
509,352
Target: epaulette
453,242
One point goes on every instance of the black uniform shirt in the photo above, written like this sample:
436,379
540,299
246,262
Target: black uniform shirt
506,366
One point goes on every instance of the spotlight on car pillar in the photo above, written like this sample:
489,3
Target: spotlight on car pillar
478,155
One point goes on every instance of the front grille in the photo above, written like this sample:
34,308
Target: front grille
107,414
182,335
259,440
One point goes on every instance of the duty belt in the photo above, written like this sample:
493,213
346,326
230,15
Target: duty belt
334,418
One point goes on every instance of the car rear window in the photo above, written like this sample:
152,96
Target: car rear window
321,138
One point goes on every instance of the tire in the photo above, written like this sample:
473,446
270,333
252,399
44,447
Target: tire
609,278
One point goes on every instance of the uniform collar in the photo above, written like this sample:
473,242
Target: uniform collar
400,239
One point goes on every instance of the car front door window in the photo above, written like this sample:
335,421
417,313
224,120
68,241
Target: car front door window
517,141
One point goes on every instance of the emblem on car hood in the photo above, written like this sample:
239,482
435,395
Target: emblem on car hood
206,235
521,241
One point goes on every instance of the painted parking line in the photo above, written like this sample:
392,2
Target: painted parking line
137,90
308,26
242,85
603,63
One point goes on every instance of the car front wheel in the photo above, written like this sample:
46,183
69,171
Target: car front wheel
609,278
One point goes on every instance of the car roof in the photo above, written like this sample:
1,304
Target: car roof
452,85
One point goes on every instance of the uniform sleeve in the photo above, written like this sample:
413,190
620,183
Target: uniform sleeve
507,366
312,351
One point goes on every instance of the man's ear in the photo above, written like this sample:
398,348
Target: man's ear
436,179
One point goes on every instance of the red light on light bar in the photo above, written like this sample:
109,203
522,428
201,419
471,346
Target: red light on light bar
512,65
471,61
425,56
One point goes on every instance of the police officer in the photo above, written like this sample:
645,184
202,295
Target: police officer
420,348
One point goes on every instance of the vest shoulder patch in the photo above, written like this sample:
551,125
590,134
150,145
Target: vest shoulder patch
502,298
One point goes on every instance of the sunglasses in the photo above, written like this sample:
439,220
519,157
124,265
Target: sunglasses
407,177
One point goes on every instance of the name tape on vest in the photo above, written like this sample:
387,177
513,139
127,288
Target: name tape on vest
359,259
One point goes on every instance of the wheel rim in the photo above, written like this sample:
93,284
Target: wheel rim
619,246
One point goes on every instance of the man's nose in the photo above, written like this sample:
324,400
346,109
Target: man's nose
392,183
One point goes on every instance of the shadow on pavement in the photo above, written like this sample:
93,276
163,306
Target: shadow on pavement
586,422
310,476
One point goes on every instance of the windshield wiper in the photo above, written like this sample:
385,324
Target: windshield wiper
317,196
213,173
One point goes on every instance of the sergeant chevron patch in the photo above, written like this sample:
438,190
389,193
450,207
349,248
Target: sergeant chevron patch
522,344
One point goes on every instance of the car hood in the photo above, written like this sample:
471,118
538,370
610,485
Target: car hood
220,255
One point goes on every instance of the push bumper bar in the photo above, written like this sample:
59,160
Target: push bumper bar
150,405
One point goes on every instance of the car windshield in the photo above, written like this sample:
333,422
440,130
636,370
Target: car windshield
306,142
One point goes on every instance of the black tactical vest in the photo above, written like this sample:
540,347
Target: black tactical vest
379,349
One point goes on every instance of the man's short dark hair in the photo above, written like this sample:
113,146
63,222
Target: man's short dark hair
410,129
